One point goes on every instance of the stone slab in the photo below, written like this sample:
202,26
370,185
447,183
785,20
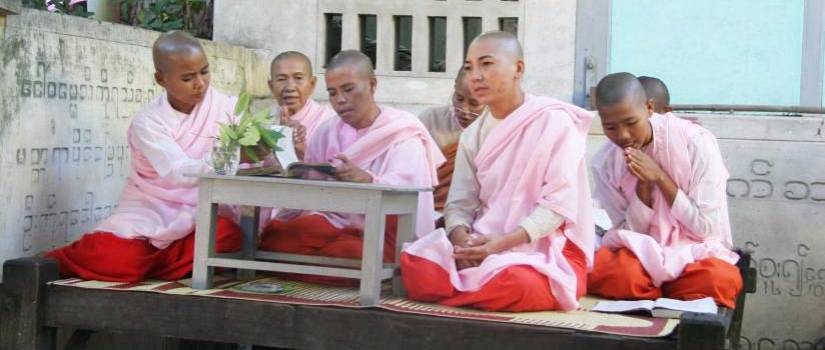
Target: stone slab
70,86
10,6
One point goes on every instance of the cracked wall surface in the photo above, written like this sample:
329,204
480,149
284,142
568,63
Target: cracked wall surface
70,87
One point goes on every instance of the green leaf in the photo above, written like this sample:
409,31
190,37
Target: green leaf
243,103
250,152
262,115
175,24
227,132
250,137
268,140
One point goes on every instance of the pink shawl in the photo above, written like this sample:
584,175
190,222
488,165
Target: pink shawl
377,150
669,245
158,202
536,155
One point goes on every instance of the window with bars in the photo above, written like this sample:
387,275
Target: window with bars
403,43
438,44
334,25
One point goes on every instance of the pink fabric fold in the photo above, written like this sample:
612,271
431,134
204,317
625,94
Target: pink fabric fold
535,156
668,245
159,202
396,150
312,115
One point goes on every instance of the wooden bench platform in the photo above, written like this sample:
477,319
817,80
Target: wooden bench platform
31,312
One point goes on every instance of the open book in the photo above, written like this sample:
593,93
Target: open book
286,162
662,307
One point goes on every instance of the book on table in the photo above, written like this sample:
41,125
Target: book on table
662,307
286,162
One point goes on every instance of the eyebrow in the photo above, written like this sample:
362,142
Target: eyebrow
481,58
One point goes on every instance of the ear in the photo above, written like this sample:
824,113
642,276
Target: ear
312,81
373,84
650,106
520,68
159,79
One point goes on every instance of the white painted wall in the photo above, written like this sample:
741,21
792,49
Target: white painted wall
68,90
546,28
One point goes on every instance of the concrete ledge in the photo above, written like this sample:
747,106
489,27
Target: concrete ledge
10,7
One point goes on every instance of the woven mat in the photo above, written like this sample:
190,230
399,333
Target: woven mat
312,294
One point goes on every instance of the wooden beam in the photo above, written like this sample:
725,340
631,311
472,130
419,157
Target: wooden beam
24,282
307,327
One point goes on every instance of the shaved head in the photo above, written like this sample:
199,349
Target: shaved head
172,44
617,87
358,61
624,110
459,78
507,42
656,90
292,55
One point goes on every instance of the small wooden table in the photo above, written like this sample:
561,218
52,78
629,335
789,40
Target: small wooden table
374,201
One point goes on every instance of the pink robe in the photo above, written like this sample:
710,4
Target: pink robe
159,202
396,150
535,156
312,115
666,239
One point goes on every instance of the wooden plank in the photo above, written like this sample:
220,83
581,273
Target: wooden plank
399,203
24,282
347,200
312,183
292,268
307,327
204,236
309,259
250,220
703,331
207,319
373,251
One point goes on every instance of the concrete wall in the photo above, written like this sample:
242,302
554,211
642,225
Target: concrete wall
546,28
713,52
776,195
69,87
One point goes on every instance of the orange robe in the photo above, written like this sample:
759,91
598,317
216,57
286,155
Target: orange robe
445,176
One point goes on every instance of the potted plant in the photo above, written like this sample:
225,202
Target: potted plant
248,133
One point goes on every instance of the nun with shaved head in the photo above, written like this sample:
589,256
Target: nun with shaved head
662,181
151,232
367,143
519,230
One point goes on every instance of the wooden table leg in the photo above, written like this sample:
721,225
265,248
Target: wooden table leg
204,237
250,220
406,233
371,261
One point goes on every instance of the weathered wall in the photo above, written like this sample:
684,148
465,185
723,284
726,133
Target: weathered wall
546,28
69,87
776,195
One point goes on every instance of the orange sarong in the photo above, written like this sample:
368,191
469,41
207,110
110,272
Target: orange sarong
445,176
315,235
517,288
104,256
618,274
